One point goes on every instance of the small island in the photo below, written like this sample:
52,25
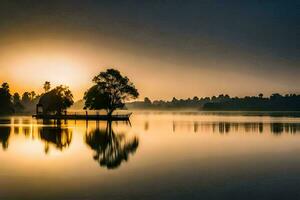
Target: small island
109,92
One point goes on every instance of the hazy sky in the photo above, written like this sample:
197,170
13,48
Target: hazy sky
167,48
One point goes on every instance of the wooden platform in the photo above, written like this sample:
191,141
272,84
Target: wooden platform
74,116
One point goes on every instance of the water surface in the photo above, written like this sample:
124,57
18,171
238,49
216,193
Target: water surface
162,155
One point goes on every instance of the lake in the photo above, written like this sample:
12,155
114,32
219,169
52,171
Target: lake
157,155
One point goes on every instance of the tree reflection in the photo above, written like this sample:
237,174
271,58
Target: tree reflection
56,136
4,136
110,149
275,128
279,128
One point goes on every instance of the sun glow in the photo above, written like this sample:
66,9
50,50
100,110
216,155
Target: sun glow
54,69
33,65
59,71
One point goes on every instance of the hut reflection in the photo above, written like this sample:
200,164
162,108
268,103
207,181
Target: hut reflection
110,149
4,136
56,136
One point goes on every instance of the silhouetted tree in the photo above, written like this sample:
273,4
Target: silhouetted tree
56,100
276,96
110,91
26,98
276,102
47,86
110,149
147,101
17,102
29,101
6,105
32,95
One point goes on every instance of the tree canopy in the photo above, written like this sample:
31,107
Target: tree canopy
16,99
47,86
56,100
110,91
6,105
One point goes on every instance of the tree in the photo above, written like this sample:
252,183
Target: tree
275,96
26,98
261,95
16,98
110,92
6,105
32,95
29,101
17,102
47,86
147,101
174,100
195,99
56,100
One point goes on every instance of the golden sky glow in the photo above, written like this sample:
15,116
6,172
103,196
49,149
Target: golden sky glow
167,48
27,64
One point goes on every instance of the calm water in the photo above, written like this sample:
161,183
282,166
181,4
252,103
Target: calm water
155,156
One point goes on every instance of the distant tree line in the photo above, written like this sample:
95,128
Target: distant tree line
276,102
56,99
15,103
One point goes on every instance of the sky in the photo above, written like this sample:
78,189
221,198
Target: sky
167,48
